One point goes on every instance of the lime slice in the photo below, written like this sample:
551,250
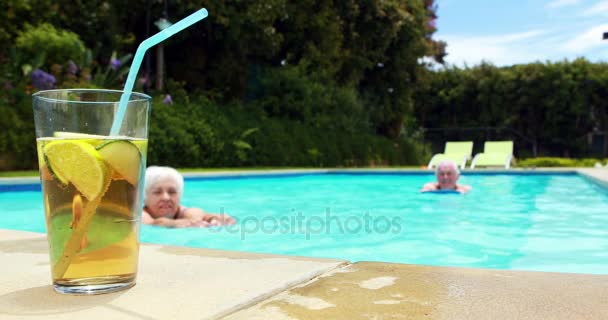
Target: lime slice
142,145
79,163
92,139
54,174
46,173
122,156
39,145
77,135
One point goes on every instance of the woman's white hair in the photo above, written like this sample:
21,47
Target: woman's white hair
154,174
447,163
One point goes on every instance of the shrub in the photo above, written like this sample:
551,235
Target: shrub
559,162
17,138
57,45
292,93
182,136
200,133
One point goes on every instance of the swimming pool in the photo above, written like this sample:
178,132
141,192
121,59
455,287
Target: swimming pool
544,222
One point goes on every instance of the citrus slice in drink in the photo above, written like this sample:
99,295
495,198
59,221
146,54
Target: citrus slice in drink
77,135
54,174
79,163
45,173
39,145
124,157
142,145
92,139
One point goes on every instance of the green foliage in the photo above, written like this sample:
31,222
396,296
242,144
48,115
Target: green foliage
57,45
548,108
103,26
17,68
559,162
291,143
17,138
202,134
291,93
241,144
62,54
182,136
114,74
370,47
259,83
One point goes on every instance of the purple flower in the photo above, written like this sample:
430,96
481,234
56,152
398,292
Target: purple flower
167,99
143,80
8,86
115,64
42,80
72,67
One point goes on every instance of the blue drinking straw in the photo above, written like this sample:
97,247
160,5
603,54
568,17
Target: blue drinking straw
139,56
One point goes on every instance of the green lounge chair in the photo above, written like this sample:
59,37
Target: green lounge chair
495,154
457,151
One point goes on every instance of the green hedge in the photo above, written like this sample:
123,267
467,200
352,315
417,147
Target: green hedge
17,137
559,162
203,134
550,109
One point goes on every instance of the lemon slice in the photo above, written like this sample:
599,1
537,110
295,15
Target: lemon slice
79,163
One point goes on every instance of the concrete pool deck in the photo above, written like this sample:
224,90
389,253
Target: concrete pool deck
194,283
172,283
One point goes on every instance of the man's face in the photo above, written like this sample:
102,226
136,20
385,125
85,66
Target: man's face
447,176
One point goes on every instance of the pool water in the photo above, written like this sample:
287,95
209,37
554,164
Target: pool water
544,222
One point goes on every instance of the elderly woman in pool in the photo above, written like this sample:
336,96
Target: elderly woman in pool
163,191
447,174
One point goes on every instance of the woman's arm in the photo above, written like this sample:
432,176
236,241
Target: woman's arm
210,218
179,223
146,218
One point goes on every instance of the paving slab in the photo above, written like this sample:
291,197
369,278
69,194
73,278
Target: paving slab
597,175
369,290
172,283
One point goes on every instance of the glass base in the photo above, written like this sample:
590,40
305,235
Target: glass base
90,289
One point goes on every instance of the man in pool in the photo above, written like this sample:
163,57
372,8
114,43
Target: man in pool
447,174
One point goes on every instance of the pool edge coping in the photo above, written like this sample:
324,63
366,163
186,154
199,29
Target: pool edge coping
293,271
467,280
598,176
291,172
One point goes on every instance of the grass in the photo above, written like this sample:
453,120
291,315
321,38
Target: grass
34,173
239,169
11,174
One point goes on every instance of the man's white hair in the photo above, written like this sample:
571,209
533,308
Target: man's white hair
154,174
447,163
